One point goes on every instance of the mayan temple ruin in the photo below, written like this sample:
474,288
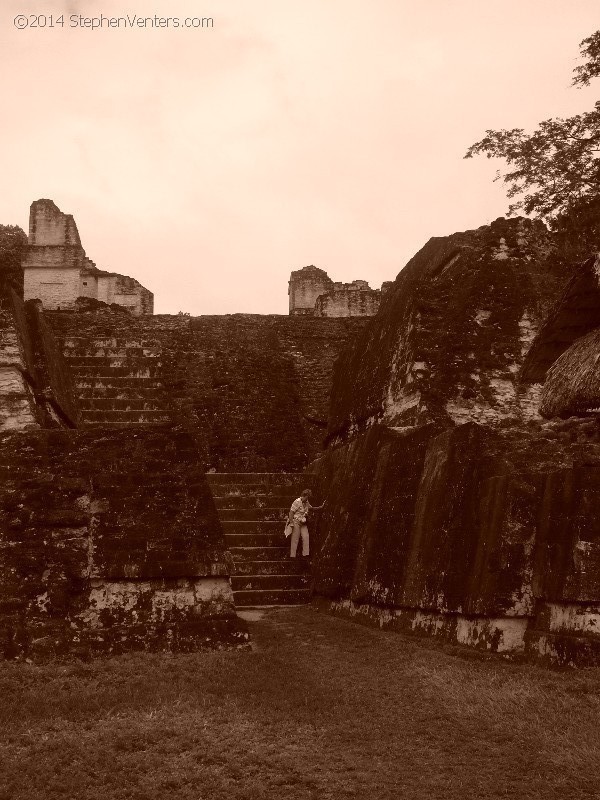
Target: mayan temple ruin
313,293
57,271
450,418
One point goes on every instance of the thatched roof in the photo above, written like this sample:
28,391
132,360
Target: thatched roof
573,382
576,313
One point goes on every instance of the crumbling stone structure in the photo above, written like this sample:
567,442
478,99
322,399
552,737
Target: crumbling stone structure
253,389
453,508
147,461
111,537
452,336
16,412
35,383
313,293
110,542
57,271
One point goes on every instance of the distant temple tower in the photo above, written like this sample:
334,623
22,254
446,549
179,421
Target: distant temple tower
57,271
305,286
313,293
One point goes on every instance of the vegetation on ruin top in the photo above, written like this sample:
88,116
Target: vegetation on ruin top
554,172
12,243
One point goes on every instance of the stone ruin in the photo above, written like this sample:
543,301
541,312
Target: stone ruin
127,443
57,271
313,293
148,461
457,509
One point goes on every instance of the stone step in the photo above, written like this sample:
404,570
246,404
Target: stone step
152,480
247,554
24,468
112,352
270,500
252,526
254,489
95,362
232,514
288,566
275,539
141,416
70,342
147,369
134,425
120,393
264,478
245,583
253,507
272,597
116,382
118,404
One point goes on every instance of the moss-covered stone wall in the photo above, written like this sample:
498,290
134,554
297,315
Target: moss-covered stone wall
109,540
458,533
451,335
252,389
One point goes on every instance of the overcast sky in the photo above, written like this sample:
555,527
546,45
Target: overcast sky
209,163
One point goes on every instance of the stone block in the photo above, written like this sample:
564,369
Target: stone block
445,531
110,564
501,581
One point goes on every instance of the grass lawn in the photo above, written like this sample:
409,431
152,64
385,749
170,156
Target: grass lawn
322,708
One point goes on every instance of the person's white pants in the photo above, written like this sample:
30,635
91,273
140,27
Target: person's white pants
299,531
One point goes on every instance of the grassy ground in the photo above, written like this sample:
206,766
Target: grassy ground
323,708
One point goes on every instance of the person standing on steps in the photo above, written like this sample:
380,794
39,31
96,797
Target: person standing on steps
297,519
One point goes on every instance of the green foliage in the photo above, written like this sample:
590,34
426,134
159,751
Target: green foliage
12,243
555,166
590,49
577,230
554,172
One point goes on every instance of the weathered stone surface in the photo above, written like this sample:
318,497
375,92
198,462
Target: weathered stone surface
109,541
399,525
451,335
17,404
35,382
501,576
54,387
344,477
444,534
305,286
349,300
436,532
16,401
253,390
313,293
57,271
568,541
364,533
452,507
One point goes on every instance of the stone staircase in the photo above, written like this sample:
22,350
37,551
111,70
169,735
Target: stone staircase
117,381
253,508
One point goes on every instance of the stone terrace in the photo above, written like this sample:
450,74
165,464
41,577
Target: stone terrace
117,380
253,389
